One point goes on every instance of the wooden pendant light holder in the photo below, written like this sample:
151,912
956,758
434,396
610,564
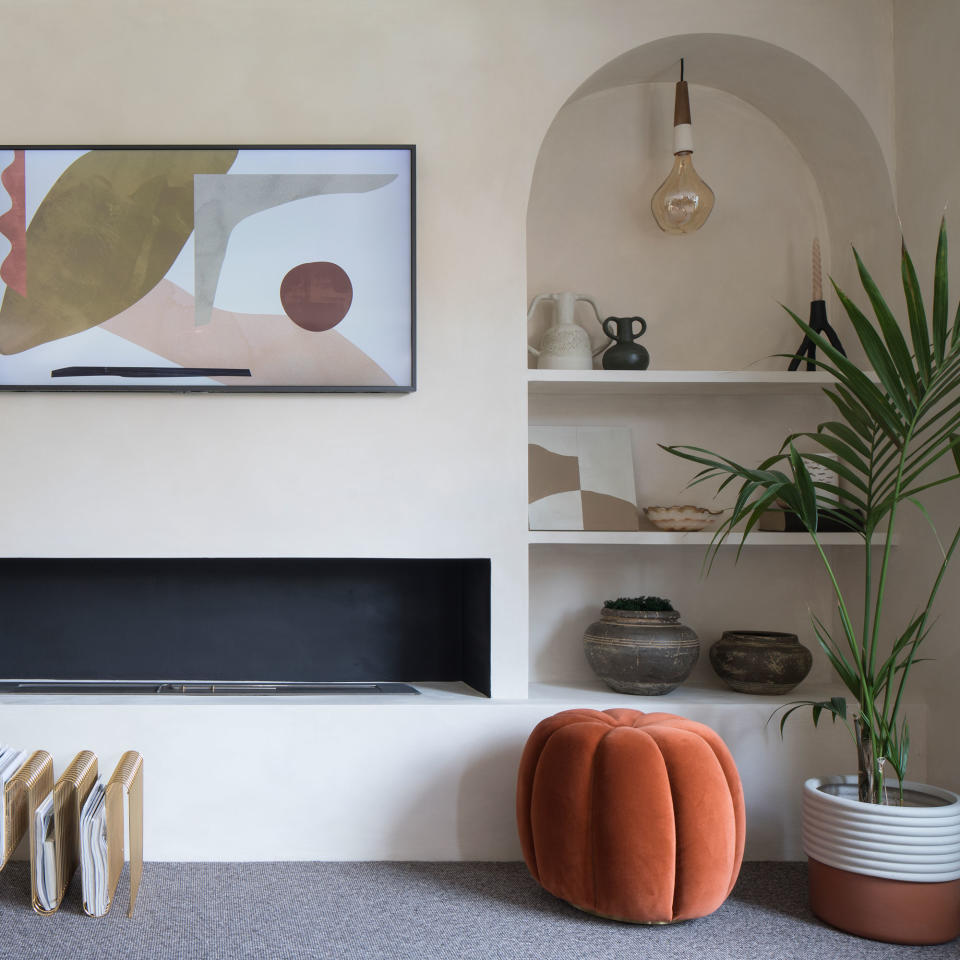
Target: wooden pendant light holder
681,104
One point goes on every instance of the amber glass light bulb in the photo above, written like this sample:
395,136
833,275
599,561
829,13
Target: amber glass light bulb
683,201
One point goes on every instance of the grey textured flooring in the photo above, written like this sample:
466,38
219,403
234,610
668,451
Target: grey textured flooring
369,911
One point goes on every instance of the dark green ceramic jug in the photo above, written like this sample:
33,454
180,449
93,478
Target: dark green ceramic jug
625,354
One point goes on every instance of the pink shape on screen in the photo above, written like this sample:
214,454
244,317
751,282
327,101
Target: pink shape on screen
13,225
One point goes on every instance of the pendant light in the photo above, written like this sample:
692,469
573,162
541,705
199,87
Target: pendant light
683,201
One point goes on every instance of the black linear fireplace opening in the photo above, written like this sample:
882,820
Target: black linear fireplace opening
189,623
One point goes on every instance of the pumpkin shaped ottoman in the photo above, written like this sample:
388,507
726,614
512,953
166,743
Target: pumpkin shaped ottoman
633,816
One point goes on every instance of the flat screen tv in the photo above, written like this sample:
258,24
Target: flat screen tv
208,268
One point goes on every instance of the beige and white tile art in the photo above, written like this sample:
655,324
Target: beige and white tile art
581,478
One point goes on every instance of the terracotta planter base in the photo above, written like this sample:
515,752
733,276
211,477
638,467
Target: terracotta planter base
894,911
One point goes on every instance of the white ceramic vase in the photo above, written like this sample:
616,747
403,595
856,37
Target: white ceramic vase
565,345
890,873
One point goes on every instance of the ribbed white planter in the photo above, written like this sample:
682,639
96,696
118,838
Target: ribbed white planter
920,842
887,872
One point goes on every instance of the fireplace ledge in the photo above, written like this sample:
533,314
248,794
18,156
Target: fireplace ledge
430,693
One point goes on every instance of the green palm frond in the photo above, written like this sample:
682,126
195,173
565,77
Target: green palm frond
883,442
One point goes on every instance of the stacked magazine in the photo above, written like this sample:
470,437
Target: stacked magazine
45,855
93,851
11,760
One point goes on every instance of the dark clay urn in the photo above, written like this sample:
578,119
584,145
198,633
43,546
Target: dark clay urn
760,661
625,354
645,652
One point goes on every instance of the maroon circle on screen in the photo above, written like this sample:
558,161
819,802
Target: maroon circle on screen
316,296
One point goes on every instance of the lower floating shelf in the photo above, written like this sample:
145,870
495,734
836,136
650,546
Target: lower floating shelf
690,694
659,538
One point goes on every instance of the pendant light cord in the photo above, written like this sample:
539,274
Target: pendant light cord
681,69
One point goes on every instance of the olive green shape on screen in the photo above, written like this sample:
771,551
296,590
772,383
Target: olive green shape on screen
104,236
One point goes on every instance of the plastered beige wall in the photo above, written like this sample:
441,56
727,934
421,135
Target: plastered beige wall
928,163
475,84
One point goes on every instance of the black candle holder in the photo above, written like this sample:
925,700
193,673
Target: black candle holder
819,324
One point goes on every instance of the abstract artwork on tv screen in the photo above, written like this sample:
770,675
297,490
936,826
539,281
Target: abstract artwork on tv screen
207,268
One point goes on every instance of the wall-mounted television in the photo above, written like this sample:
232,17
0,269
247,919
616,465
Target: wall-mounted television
208,268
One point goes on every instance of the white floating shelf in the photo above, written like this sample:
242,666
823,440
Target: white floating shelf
594,693
680,382
701,538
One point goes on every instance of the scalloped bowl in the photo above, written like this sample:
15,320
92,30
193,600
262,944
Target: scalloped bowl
685,518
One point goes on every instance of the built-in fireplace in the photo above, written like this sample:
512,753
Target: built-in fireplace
244,624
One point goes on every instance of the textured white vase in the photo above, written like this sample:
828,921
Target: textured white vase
918,843
565,345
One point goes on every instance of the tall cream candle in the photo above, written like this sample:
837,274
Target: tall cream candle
817,276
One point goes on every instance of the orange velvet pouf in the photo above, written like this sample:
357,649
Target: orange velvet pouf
633,816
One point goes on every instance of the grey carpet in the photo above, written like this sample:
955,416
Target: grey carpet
369,911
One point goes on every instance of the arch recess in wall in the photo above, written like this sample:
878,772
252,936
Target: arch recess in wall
769,113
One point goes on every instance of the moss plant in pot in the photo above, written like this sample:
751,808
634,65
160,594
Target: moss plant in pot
884,852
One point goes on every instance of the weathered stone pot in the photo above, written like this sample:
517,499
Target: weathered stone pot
760,661
889,873
646,652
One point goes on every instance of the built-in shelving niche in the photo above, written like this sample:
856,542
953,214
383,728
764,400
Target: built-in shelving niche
711,299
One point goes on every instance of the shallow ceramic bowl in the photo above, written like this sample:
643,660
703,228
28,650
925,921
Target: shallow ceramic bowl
684,518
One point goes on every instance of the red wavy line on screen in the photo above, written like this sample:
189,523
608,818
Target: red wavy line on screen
13,225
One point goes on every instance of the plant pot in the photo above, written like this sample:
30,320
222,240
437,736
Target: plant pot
646,652
760,661
889,873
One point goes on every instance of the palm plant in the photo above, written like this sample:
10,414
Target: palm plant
890,432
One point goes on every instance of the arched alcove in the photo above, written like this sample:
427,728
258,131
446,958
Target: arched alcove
790,156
